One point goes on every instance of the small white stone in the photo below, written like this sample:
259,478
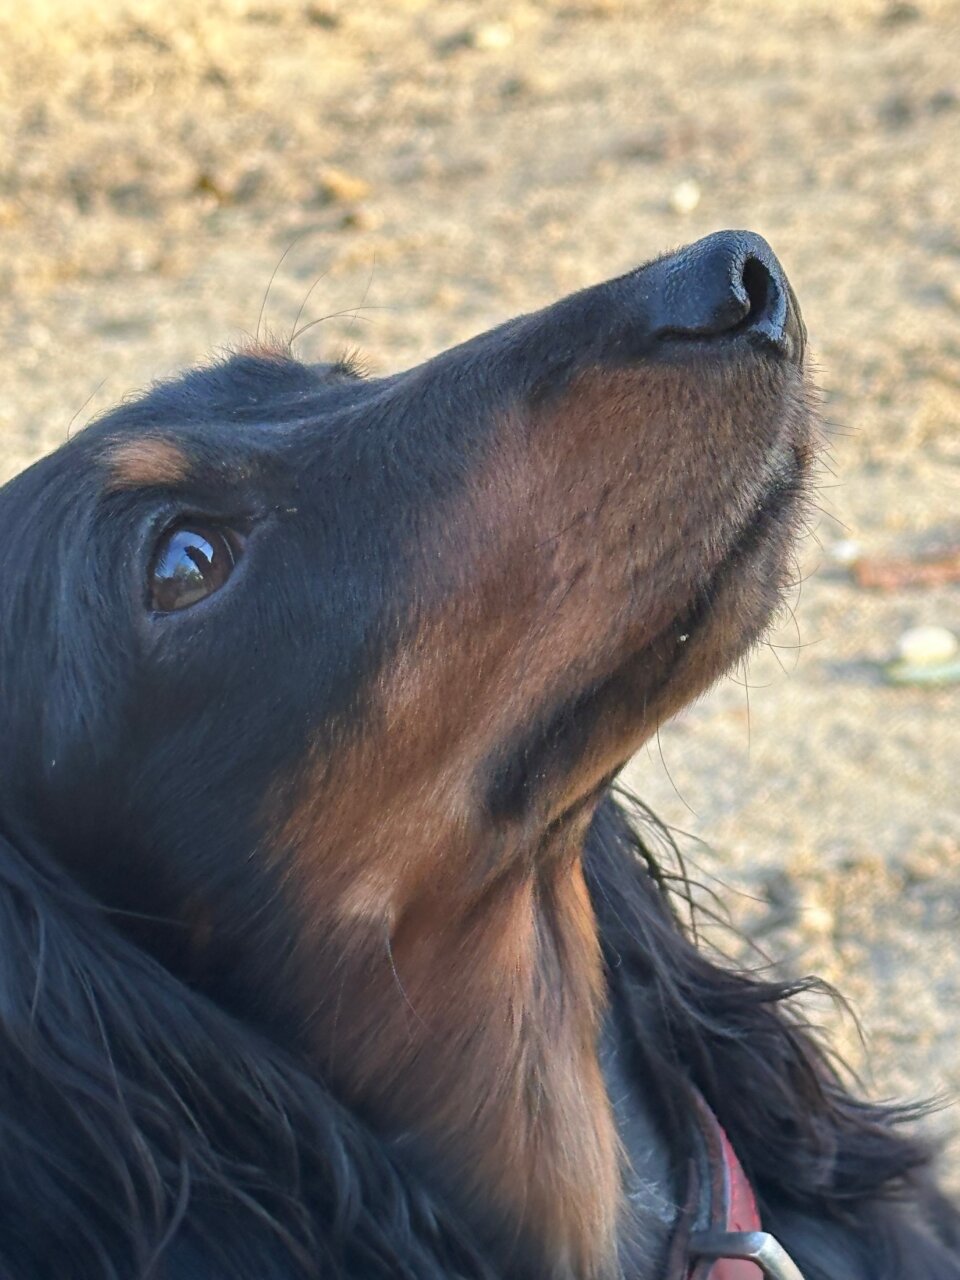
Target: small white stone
492,36
845,551
818,919
685,196
927,646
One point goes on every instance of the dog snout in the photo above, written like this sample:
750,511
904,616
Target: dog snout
726,286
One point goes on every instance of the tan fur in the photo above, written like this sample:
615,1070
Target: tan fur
460,983
269,347
147,462
472,1021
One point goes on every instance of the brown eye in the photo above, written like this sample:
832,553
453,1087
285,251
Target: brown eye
190,563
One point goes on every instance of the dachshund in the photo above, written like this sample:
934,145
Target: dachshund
328,946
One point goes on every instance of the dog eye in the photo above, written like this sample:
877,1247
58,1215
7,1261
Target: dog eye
189,564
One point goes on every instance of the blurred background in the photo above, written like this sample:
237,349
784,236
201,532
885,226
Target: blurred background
429,169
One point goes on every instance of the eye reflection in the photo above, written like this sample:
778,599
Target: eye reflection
190,563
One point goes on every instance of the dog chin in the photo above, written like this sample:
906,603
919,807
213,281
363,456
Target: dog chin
728,618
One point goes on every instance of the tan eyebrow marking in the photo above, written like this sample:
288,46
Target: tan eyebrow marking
270,347
147,462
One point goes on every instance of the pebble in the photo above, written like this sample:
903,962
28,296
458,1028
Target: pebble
492,36
845,551
927,646
926,655
816,919
335,186
685,196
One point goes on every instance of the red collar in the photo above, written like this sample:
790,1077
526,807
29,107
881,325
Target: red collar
728,1241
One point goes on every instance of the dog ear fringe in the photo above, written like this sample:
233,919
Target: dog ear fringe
815,1153
143,1133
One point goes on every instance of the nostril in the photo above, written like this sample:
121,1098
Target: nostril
774,316
758,286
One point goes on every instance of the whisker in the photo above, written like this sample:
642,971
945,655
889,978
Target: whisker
322,276
94,392
670,776
334,315
295,241
400,986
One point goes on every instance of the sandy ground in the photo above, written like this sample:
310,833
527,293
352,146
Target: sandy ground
442,166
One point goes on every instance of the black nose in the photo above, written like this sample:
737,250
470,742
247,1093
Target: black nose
726,285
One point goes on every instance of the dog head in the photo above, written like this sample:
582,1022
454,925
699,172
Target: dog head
290,652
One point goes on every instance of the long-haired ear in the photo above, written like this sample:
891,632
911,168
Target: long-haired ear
798,1130
144,1132
87,1179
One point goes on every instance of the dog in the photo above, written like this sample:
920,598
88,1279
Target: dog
327,945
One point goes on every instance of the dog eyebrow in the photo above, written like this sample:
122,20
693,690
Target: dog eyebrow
269,348
149,462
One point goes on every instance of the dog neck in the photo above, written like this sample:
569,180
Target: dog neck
470,1033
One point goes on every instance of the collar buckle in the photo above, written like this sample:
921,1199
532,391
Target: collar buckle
758,1247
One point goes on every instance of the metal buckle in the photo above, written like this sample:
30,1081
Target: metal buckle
752,1246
